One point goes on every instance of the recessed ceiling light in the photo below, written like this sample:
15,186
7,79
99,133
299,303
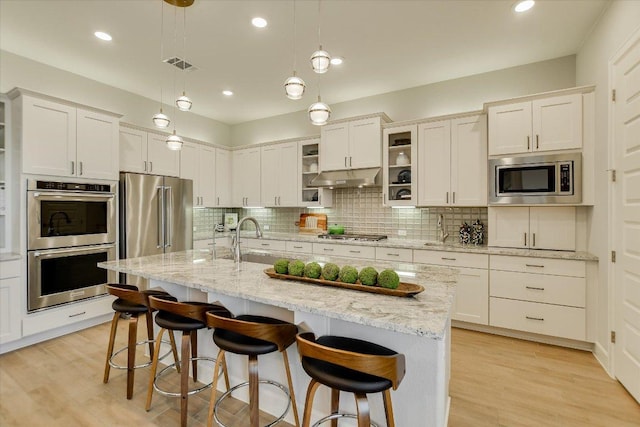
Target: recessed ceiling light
259,22
227,92
336,60
523,6
103,36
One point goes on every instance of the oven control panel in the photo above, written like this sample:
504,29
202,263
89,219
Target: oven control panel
72,186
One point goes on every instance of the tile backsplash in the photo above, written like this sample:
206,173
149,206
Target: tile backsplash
359,210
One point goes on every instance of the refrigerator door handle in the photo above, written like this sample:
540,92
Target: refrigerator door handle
168,217
161,218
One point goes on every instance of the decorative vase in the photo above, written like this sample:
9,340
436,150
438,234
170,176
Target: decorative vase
402,159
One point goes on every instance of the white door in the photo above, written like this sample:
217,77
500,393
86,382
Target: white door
207,176
510,128
434,163
626,217
133,150
189,162
557,123
365,143
508,226
469,161
223,178
161,160
97,145
552,227
334,147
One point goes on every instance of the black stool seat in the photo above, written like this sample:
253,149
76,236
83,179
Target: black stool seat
241,344
346,379
123,306
175,322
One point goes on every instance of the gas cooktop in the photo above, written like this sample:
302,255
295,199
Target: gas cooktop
353,237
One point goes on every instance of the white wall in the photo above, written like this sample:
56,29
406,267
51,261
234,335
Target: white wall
18,71
452,96
619,22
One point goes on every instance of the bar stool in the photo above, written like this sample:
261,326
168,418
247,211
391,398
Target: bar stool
189,318
133,303
348,364
252,336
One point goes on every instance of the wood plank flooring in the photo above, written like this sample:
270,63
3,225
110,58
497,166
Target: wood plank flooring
495,381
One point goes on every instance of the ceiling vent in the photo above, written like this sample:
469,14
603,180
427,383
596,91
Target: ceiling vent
180,63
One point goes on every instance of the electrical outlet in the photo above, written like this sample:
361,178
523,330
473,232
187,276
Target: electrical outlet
266,227
195,228
402,232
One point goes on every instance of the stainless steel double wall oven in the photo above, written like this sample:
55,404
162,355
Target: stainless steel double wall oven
70,228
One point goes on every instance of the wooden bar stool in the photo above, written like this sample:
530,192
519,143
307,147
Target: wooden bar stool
189,318
348,364
252,336
133,303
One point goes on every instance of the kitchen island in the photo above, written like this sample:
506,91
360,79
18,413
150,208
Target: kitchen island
418,326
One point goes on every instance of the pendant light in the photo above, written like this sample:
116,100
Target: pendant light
320,59
160,119
319,113
183,102
174,142
294,86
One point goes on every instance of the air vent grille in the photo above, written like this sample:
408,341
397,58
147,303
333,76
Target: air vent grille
180,63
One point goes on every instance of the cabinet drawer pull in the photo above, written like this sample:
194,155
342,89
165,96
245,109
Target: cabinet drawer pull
534,288
354,252
534,265
327,250
265,244
390,254
448,259
78,314
297,247
541,319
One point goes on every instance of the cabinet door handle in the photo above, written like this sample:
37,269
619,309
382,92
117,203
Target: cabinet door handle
350,158
454,197
218,201
144,165
279,202
392,254
80,167
78,314
537,141
534,265
73,167
540,319
447,197
297,247
528,143
345,162
150,166
525,239
275,200
447,259
534,288
533,240
320,199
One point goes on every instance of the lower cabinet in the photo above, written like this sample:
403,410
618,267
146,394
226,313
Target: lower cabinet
348,251
299,247
471,303
10,301
542,296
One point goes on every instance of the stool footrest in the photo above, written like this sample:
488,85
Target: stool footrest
338,416
246,384
144,365
177,394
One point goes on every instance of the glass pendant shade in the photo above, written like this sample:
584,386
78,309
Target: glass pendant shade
161,120
184,103
174,142
320,61
294,87
319,113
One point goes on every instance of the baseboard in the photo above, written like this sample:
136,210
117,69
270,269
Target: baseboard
603,357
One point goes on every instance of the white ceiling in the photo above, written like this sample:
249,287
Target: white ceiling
388,45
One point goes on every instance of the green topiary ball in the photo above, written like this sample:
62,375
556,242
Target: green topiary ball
330,271
368,276
296,268
388,279
312,270
281,266
348,274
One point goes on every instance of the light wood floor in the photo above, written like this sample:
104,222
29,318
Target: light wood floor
495,381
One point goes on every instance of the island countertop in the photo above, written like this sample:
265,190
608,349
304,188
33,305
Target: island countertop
425,314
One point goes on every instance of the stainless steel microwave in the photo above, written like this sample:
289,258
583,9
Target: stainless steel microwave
545,179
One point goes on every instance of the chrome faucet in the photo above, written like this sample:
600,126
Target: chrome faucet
235,239
442,229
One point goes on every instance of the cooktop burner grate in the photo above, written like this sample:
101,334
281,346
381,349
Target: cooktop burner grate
353,237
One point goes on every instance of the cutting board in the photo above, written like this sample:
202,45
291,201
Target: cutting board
313,223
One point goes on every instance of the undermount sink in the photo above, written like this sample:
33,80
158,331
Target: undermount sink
258,258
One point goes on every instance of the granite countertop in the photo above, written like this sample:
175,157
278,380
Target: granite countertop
425,314
450,246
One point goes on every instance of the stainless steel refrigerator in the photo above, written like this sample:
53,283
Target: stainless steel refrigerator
156,216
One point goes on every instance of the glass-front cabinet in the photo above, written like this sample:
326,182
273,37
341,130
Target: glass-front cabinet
310,196
400,165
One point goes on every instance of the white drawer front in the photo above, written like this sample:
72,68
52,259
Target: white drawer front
539,288
299,247
394,254
454,259
545,319
10,269
351,251
271,245
66,315
559,267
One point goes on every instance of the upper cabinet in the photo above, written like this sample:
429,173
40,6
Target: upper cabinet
64,140
452,165
351,145
279,174
197,163
146,152
246,177
223,178
400,158
546,124
308,168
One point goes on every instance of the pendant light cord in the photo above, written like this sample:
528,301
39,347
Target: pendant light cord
184,48
319,20
161,45
175,46
294,38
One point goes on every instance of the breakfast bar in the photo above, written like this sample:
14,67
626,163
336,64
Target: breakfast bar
418,326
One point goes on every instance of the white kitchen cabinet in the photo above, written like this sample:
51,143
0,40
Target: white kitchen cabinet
279,182
547,124
544,227
400,171
342,250
147,152
471,302
197,163
10,301
308,168
351,145
223,178
246,166
64,140
452,166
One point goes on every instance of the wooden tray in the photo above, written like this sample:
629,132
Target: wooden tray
403,290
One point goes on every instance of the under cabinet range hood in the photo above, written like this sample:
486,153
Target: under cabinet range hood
347,178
